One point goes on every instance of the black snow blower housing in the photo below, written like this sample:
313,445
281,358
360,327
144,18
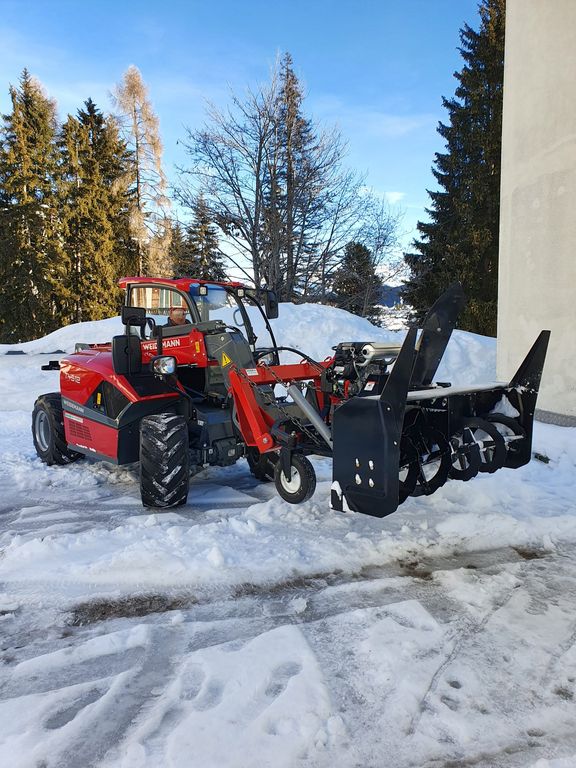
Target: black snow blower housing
404,435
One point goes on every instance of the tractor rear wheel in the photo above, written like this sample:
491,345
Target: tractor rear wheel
302,482
164,461
48,431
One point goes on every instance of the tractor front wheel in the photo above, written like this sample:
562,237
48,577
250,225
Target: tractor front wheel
164,461
48,431
302,481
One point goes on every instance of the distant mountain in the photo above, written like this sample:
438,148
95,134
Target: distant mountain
390,295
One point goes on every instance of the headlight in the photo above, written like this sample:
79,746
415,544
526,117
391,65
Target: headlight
164,365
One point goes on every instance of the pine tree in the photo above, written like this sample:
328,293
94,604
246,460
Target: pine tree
178,252
148,218
197,252
90,184
31,263
356,286
460,242
116,169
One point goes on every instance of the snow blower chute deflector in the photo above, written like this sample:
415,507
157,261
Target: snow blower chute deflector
182,390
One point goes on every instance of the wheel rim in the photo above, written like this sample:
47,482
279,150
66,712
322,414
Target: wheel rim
292,485
42,430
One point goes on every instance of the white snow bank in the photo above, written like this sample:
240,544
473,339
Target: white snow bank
64,339
226,537
311,328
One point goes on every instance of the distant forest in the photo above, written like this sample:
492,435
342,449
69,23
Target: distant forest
265,194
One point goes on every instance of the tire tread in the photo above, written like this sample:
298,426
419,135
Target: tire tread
164,461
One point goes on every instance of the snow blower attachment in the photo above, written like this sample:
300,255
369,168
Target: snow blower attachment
180,395
415,435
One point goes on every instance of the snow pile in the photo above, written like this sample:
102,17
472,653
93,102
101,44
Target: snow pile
246,632
312,328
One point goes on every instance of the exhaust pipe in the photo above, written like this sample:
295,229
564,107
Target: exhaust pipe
311,413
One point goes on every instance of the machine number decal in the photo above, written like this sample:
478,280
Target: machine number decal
251,372
225,360
73,417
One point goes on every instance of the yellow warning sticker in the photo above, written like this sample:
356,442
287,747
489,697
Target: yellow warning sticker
225,359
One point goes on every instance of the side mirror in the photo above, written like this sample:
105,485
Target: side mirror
271,305
133,315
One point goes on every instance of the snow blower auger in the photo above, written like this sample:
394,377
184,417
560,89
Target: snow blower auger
182,389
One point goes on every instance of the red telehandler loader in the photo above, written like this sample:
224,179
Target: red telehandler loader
180,396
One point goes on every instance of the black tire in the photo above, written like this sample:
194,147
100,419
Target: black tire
164,461
48,431
510,429
491,444
261,465
301,485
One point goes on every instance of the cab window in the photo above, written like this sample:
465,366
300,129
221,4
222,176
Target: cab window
165,305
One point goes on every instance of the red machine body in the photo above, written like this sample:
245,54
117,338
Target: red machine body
186,386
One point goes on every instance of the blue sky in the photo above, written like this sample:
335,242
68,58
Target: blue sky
376,69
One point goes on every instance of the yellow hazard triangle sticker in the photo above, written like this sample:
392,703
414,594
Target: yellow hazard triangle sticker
225,359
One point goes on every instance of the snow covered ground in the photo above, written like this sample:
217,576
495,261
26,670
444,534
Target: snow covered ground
242,632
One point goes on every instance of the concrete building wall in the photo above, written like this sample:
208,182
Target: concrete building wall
537,278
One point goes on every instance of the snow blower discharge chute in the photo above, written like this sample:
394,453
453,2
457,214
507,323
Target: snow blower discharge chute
182,389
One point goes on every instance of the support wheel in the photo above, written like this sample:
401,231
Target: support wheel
302,482
490,442
164,461
48,431
261,464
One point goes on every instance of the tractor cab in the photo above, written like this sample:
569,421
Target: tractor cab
193,328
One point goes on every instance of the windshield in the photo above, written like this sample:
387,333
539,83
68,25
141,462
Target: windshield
216,303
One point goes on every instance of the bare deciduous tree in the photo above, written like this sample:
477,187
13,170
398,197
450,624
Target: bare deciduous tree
277,188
